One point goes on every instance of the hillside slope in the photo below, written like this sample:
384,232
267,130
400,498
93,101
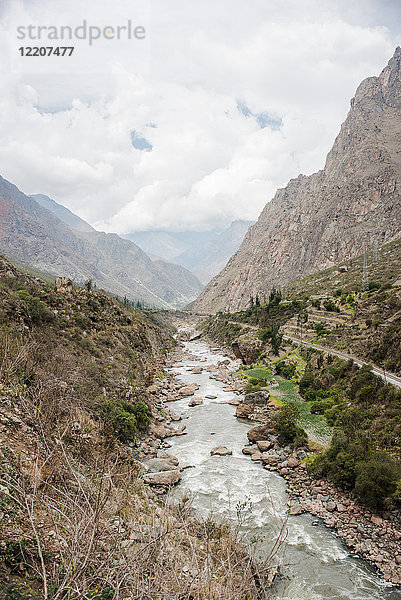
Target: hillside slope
81,410
35,236
322,219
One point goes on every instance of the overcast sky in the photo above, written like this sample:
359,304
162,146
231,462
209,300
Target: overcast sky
197,124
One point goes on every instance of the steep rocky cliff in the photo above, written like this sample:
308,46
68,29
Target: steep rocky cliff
35,236
319,220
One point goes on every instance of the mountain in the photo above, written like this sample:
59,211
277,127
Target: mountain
171,244
330,216
216,256
62,213
204,253
35,236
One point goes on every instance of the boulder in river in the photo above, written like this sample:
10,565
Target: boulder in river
221,451
258,433
187,390
211,397
166,478
195,401
180,431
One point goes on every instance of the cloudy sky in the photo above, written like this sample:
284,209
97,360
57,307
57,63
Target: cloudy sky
197,124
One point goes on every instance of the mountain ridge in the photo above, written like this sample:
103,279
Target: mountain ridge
63,213
324,218
35,236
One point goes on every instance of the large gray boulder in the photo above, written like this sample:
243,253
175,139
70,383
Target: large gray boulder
261,398
166,478
155,465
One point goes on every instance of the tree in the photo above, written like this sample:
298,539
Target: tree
285,423
377,480
276,338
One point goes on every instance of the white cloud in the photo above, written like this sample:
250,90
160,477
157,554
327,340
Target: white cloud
65,125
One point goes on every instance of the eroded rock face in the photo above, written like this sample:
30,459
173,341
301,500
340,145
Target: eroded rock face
247,350
320,220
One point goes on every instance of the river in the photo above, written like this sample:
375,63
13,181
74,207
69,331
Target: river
315,563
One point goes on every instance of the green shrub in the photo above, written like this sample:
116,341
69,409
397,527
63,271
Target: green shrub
36,310
285,424
255,384
124,417
321,329
14,592
377,480
320,406
12,553
272,334
330,306
286,370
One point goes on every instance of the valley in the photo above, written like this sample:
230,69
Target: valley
164,440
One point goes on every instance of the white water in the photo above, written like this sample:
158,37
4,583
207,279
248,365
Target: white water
315,564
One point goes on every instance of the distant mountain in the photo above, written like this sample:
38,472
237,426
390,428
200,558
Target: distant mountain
171,244
204,253
330,216
217,255
37,237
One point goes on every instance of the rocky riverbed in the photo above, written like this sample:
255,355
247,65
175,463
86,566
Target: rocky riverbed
373,537
369,535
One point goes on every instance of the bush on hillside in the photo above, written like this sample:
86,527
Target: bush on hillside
285,424
330,306
125,418
36,310
286,370
377,480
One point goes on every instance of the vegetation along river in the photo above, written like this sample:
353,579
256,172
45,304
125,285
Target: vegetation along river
314,564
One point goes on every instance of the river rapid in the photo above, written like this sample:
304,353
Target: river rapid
314,564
